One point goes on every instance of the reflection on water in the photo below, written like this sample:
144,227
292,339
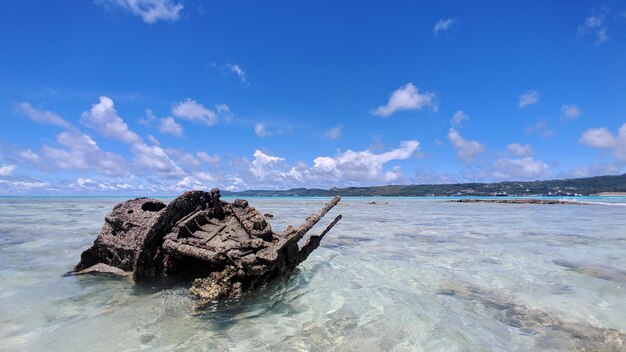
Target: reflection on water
404,274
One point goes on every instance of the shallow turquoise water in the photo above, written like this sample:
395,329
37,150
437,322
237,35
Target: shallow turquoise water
405,274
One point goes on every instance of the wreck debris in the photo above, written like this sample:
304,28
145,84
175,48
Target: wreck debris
228,247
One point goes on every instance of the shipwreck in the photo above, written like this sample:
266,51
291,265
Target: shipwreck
229,248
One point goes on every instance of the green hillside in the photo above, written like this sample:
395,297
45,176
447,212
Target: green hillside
576,186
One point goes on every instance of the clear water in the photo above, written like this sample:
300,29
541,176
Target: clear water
405,274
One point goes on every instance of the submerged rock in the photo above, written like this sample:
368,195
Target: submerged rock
520,201
228,247
576,336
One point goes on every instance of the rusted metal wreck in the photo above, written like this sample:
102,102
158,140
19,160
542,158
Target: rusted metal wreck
228,247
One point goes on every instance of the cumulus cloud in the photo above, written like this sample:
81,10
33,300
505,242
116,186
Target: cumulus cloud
529,98
169,126
78,151
594,25
443,25
263,164
150,11
362,166
602,138
598,138
525,168
154,158
6,170
466,150
570,112
209,159
104,118
193,161
166,125
520,149
345,168
191,110
42,116
458,118
333,133
407,97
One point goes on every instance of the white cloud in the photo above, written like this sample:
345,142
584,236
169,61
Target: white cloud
540,128
193,111
595,25
190,182
520,169
200,158
602,138
94,185
261,130
520,149
153,140
222,108
21,185
239,72
170,126
598,138
205,177
458,118
333,133
443,25
42,116
466,150
407,97
85,182
182,157
529,98
103,118
570,112
166,125
154,158
263,164
78,152
209,159
346,168
360,167
150,118
150,11
28,155
6,170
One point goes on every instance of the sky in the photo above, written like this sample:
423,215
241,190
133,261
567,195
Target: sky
155,97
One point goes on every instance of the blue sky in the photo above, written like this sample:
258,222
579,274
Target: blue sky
160,96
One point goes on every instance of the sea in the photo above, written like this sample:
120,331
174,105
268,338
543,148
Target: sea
395,274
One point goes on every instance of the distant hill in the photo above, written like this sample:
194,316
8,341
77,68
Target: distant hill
576,186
